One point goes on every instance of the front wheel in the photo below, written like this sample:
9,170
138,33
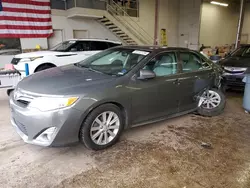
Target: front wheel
212,103
102,127
44,67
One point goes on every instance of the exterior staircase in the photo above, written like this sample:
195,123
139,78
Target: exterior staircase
124,27
117,31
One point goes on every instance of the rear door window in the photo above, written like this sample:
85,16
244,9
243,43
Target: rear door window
98,45
192,62
81,46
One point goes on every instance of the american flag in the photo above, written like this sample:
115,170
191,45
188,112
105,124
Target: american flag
25,19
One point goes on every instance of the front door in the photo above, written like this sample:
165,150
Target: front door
196,76
157,97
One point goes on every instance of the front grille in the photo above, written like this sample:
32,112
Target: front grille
21,127
234,72
15,61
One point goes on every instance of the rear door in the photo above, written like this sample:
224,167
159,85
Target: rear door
196,75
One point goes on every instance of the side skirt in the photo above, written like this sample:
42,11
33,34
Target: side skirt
163,118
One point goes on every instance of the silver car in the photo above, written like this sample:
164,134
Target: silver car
95,100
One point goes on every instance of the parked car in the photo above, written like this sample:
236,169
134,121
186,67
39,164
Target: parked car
215,58
95,100
67,52
235,65
7,55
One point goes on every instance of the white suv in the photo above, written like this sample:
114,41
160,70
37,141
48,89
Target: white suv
65,53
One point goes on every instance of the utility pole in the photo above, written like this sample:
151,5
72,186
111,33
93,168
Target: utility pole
240,24
156,22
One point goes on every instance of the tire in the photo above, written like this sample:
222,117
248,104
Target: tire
88,130
213,111
44,67
9,91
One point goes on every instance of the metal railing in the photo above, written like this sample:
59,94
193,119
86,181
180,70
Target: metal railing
131,7
121,15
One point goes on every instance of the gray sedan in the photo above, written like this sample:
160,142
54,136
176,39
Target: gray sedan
95,100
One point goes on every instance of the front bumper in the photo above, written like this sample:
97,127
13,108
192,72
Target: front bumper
233,80
32,125
20,66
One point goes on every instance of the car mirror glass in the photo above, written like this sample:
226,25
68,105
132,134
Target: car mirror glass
146,74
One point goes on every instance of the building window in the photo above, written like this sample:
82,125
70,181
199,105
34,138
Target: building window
10,43
70,4
93,4
58,4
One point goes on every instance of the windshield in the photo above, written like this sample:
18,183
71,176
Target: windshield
114,61
63,46
238,51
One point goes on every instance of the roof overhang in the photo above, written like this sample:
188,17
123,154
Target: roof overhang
77,16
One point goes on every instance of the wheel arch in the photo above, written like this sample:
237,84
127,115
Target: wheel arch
43,64
119,105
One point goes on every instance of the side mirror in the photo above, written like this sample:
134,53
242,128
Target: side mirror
146,74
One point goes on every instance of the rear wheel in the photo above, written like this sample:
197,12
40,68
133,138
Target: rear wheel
102,127
212,103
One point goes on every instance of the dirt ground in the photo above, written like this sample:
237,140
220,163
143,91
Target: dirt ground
166,154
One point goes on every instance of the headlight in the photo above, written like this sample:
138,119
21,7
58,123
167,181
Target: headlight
30,58
34,58
46,104
235,69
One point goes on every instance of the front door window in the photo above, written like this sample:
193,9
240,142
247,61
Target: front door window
163,65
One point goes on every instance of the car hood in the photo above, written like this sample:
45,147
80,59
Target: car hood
235,62
67,80
41,53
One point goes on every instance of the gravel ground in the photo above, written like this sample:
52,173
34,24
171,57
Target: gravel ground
166,154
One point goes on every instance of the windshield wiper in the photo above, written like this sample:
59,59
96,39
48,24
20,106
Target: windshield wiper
82,66
93,70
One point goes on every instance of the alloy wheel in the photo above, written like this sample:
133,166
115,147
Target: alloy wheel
210,99
105,128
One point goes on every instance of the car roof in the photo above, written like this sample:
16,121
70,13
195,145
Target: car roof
96,39
155,48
